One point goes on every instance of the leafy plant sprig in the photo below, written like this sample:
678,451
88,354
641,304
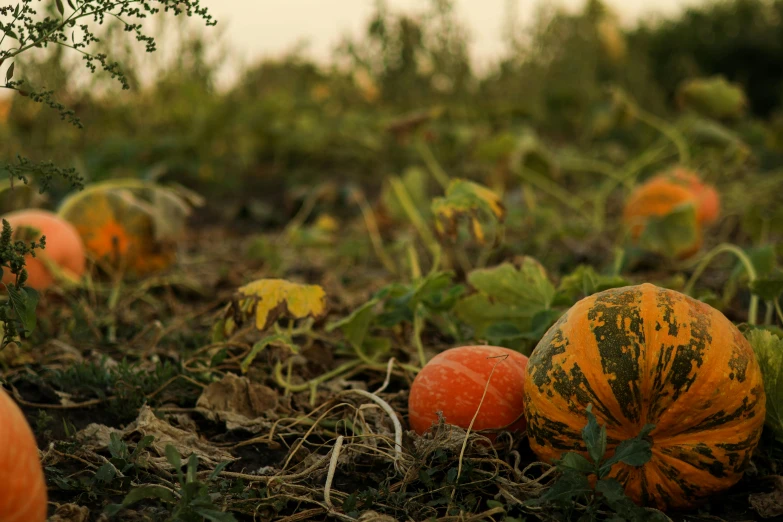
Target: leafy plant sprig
73,28
17,313
190,503
574,482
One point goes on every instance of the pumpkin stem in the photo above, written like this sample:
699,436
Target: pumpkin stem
746,262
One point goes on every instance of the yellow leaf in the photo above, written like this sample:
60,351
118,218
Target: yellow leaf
274,298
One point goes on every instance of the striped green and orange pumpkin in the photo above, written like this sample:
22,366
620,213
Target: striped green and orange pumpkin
646,355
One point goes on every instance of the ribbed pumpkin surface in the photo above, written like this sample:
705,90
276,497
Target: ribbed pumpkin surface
639,355
118,229
23,491
453,383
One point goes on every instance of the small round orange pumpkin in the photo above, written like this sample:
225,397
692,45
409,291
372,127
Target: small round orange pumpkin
657,197
664,192
707,199
453,383
647,355
64,247
23,497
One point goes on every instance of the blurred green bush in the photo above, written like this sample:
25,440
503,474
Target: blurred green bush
407,81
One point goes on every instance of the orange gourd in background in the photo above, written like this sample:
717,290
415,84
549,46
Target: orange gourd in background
707,199
656,197
129,225
64,247
23,496
453,383
662,194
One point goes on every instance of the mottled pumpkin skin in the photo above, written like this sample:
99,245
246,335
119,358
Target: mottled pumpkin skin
646,355
118,230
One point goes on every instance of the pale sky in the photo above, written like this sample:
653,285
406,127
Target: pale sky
258,29
264,28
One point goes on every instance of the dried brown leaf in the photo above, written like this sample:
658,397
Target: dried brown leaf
70,513
770,504
186,442
238,401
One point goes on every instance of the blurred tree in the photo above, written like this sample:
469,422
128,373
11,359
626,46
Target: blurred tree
739,39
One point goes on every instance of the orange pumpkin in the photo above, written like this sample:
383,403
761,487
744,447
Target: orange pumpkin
453,383
64,247
657,197
664,192
707,199
23,497
647,355
128,227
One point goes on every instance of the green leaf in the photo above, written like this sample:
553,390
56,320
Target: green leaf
216,472
501,331
192,469
585,281
611,489
569,486
434,291
105,473
117,447
713,97
414,180
496,148
507,295
356,325
764,261
528,287
492,504
143,444
711,133
634,452
768,287
531,154
673,234
23,302
259,346
769,353
576,462
174,458
472,200
142,493
10,72
614,495
60,7
594,436
375,346
482,313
